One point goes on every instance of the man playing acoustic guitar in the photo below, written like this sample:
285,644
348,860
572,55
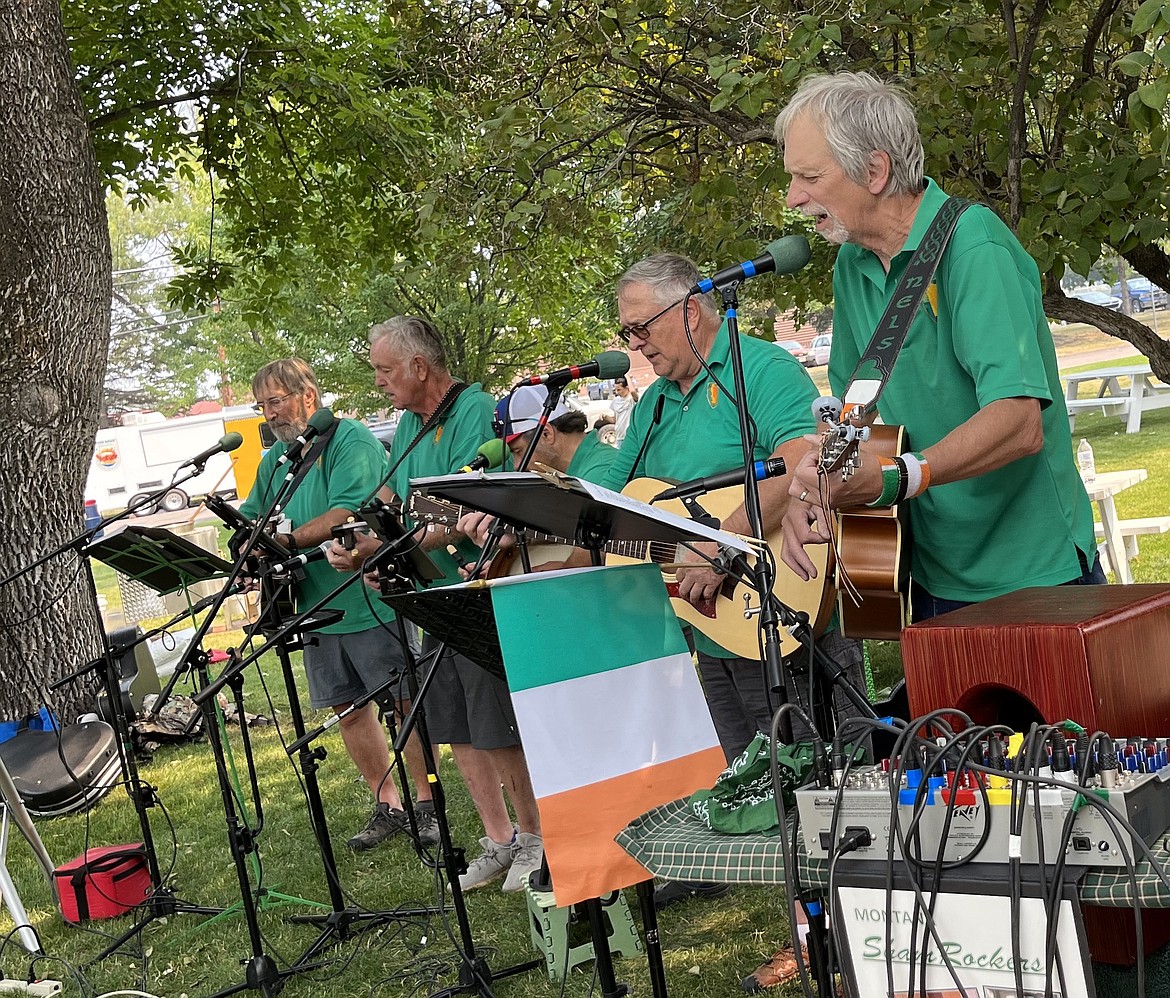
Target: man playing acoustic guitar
995,501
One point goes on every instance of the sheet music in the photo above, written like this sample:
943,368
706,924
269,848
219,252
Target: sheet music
607,497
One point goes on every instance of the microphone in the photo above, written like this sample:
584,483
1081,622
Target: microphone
607,364
319,422
489,456
304,558
768,468
782,256
827,409
227,443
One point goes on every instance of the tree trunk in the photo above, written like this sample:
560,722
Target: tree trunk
55,291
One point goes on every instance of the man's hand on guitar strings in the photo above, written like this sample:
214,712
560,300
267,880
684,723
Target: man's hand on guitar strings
702,582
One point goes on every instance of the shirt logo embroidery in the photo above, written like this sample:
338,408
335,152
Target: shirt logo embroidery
712,395
932,298
439,432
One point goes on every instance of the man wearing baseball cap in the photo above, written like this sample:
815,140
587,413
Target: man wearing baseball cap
564,443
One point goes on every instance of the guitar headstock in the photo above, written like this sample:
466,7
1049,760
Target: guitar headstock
428,509
840,447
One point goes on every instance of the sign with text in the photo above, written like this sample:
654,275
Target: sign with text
969,954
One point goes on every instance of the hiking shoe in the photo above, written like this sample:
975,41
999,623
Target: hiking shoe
527,854
428,829
384,822
489,865
674,891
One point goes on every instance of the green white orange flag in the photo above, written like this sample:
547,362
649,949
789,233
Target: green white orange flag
610,712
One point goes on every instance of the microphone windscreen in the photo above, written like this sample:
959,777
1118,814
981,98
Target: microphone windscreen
612,364
321,420
230,441
492,452
791,253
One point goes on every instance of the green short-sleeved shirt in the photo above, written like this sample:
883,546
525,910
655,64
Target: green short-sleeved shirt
451,445
591,460
342,477
1020,525
698,433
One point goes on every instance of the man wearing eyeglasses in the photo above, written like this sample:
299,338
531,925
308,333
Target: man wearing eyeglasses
686,426
359,653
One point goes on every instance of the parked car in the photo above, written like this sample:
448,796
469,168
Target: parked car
819,350
1143,293
384,429
795,348
1097,298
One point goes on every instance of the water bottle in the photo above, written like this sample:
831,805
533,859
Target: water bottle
1085,460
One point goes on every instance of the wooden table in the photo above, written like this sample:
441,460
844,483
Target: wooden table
1102,488
1144,392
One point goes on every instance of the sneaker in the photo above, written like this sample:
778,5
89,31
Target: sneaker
527,854
674,891
428,829
489,865
384,822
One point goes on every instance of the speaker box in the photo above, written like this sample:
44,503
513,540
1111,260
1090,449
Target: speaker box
137,673
1099,655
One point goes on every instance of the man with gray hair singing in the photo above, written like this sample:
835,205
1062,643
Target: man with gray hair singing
994,498
442,426
686,426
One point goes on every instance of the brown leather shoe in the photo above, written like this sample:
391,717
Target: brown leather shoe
779,970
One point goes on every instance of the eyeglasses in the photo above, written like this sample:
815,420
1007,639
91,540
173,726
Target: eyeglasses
642,329
273,403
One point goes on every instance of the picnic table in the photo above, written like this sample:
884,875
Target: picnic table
1142,392
1102,488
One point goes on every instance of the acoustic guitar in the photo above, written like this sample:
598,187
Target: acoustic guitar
870,571
722,618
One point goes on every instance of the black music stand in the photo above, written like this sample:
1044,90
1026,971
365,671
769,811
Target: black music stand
551,503
557,504
166,563
463,618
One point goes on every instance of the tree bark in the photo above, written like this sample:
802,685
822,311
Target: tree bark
55,288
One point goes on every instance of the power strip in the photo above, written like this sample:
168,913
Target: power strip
46,987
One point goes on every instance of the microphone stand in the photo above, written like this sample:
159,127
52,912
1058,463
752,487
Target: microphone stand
162,901
763,571
772,612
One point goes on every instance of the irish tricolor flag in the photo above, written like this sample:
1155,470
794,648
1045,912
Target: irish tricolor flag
610,711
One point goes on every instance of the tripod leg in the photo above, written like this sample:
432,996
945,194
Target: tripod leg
645,890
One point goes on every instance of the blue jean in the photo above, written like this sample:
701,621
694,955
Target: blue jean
923,605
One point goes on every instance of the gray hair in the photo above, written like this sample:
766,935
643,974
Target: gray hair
412,336
291,373
670,276
858,115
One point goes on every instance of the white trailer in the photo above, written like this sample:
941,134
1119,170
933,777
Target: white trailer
130,461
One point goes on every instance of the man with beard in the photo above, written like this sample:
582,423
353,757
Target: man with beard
994,499
362,651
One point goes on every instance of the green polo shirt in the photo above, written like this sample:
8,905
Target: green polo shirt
451,445
342,477
698,433
591,460
1020,525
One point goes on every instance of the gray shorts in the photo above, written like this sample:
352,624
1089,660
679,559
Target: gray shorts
466,704
342,667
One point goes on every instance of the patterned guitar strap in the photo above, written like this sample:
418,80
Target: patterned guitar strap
873,370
